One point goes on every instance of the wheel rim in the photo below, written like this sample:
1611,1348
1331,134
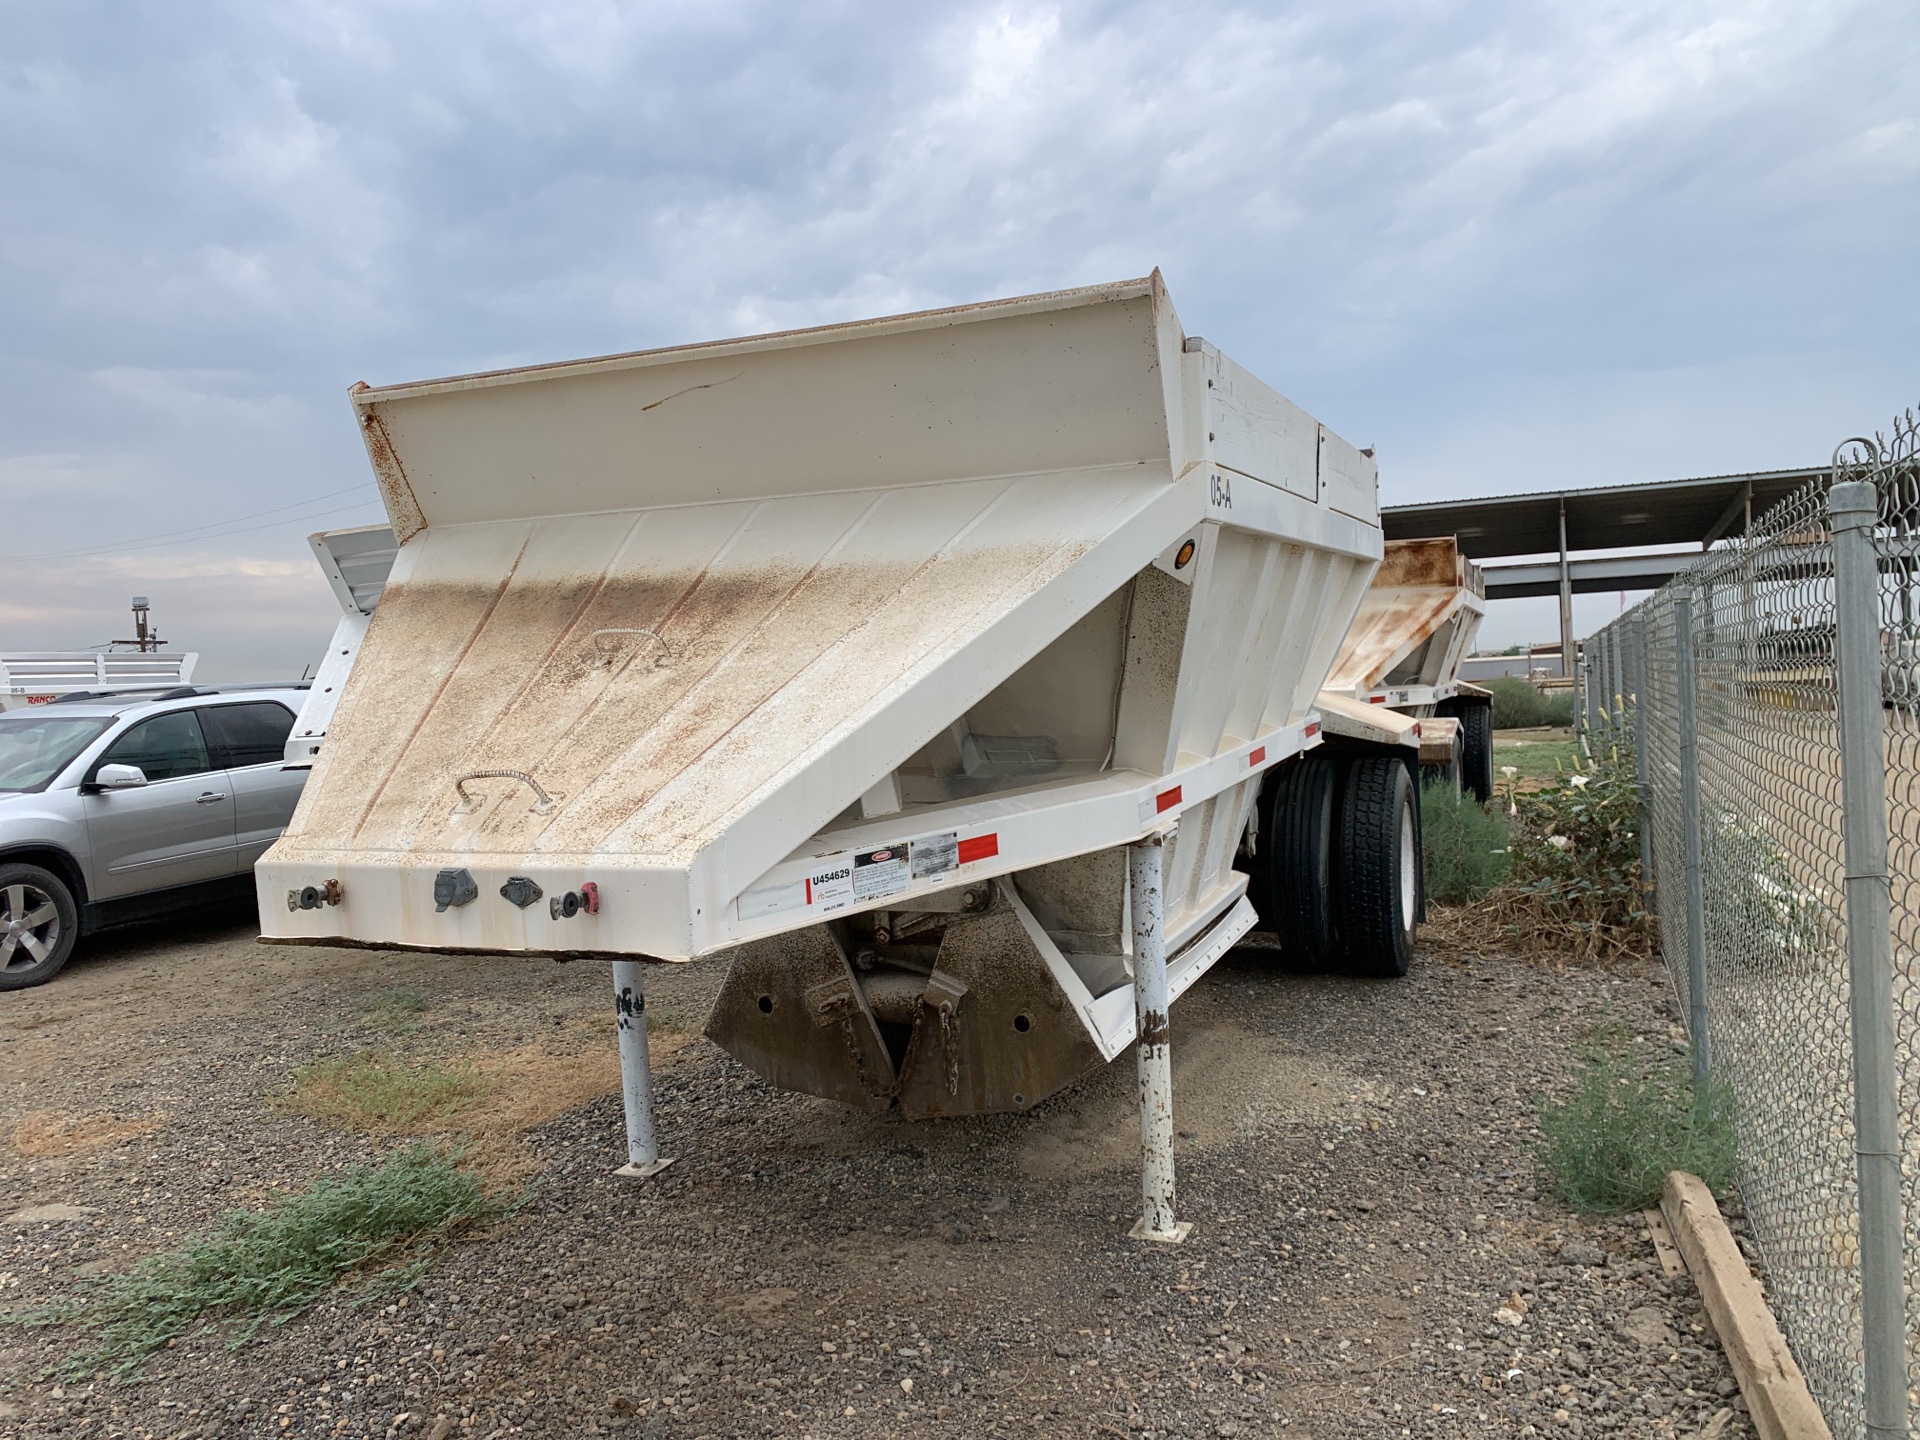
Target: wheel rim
1408,857
29,927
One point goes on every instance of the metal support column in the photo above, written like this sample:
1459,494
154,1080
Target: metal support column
1156,1066
1566,601
1854,507
636,1076
1689,720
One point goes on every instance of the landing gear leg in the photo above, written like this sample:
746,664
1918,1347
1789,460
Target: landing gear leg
1156,1066
636,1076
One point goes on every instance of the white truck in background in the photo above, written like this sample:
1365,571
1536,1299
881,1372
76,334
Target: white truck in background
954,673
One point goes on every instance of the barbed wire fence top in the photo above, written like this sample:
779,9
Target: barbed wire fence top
1772,927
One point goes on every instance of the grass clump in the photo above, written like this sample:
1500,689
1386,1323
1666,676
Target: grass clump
269,1265
1633,1117
1535,760
383,1093
396,1009
1466,846
1520,705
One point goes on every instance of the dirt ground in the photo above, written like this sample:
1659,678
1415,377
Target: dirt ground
1371,1255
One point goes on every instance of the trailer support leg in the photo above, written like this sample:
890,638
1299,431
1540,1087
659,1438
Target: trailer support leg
1156,1066
636,1076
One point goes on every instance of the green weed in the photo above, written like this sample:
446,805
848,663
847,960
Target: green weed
269,1265
396,1009
1576,859
1466,845
383,1093
1520,705
1534,759
1633,1117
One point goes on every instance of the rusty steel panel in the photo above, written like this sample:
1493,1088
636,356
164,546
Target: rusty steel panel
1420,587
1013,1038
792,1012
1436,739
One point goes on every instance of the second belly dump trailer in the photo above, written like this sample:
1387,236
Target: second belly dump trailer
952,672
1416,624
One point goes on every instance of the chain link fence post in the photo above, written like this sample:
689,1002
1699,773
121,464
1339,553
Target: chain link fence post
1689,721
1854,508
1640,740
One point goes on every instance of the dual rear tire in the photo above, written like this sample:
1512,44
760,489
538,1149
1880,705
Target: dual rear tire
1476,743
1335,876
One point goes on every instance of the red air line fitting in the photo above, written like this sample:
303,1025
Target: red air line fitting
565,907
312,897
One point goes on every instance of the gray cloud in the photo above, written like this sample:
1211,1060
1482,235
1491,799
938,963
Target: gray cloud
1514,245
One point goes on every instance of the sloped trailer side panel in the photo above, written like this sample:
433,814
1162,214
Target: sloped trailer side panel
706,599
1416,623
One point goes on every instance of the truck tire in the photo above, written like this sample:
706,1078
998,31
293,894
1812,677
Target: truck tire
1476,729
1291,884
38,925
1377,871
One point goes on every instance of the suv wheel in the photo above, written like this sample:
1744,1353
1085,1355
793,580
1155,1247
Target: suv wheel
38,925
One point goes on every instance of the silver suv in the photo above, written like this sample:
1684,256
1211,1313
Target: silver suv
118,807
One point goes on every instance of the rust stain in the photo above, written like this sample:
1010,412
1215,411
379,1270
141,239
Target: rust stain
403,506
1154,1029
1418,588
1419,562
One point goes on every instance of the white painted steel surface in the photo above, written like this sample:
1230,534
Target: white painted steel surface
356,563
738,605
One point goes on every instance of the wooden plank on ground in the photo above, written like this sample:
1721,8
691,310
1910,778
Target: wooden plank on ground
1670,1262
1777,1396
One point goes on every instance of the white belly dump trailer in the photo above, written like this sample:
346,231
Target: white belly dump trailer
1416,623
932,667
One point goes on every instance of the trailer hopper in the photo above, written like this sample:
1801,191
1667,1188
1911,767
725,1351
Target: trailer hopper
1416,623
864,653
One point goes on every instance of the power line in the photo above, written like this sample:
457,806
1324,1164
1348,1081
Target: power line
244,530
144,541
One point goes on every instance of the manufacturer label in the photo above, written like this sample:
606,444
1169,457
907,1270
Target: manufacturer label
880,872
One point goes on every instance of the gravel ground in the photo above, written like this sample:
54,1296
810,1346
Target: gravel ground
1371,1256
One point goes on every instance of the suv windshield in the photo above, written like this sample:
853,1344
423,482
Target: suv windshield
35,747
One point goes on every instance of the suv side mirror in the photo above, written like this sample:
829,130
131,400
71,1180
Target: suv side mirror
119,777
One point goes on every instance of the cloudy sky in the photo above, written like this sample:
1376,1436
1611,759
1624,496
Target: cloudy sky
1514,245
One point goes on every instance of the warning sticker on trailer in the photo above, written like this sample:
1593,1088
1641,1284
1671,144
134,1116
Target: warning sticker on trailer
935,855
880,872
830,883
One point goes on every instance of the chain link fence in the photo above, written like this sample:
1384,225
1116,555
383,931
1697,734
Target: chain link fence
1769,697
